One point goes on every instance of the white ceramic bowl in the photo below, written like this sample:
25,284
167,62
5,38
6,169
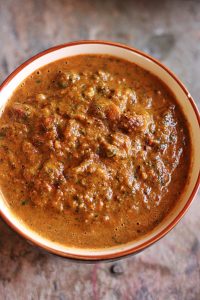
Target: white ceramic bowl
190,111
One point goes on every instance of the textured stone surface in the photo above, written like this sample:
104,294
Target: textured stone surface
169,30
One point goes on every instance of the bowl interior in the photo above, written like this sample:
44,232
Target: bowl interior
183,99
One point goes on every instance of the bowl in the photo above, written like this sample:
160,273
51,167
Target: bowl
191,113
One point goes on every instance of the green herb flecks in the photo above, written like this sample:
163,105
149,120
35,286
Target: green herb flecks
25,202
38,81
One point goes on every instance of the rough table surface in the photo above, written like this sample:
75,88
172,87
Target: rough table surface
169,30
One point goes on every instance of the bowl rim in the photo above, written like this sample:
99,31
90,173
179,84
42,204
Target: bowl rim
159,235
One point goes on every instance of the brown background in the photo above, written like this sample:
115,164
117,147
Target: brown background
169,30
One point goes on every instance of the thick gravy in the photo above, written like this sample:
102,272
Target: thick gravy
94,151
